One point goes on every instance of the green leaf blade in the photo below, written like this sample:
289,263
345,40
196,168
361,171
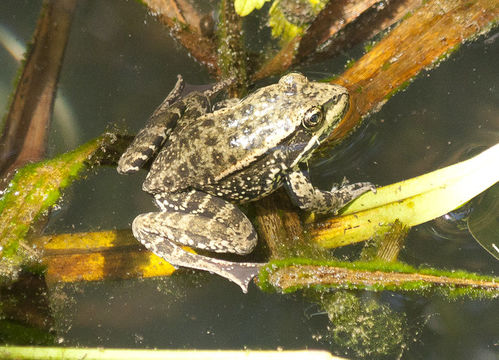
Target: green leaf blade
412,201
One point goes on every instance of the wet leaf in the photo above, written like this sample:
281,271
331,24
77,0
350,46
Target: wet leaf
245,7
412,201
93,256
483,222
292,274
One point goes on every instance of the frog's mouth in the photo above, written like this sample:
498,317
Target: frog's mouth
342,102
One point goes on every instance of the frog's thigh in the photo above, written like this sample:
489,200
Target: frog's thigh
202,221
226,103
309,198
240,273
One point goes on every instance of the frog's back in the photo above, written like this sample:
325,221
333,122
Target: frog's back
202,153
221,143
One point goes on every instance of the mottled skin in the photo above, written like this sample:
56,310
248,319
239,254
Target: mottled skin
208,161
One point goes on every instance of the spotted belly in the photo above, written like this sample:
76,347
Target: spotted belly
248,186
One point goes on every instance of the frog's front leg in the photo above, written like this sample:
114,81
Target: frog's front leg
201,221
309,198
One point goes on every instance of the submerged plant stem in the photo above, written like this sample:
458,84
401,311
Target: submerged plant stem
97,256
231,49
288,276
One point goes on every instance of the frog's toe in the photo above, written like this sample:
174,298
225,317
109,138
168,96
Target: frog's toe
242,273
359,188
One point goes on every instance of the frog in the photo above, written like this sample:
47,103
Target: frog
207,160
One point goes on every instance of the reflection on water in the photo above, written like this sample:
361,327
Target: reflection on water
483,222
453,225
120,63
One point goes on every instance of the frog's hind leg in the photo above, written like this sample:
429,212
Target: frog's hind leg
239,273
159,126
202,221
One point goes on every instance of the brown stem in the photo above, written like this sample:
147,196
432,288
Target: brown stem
334,17
185,26
24,134
433,30
279,226
309,275
360,24
339,26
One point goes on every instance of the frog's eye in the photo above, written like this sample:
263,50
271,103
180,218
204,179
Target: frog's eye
313,118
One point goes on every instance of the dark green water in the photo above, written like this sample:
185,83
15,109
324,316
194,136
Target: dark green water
120,63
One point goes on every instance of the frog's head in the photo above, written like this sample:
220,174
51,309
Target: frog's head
321,106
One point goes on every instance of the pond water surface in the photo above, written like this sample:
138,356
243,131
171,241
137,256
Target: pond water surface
120,63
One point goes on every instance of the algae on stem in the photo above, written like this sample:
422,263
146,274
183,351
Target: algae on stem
290,275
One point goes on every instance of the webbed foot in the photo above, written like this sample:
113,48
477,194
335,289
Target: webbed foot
239,273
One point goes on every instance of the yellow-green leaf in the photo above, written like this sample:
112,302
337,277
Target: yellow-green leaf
281,27
93,256
412,201
245,7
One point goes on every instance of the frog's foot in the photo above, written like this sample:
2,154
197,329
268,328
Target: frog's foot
309,198
239,273
172,97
